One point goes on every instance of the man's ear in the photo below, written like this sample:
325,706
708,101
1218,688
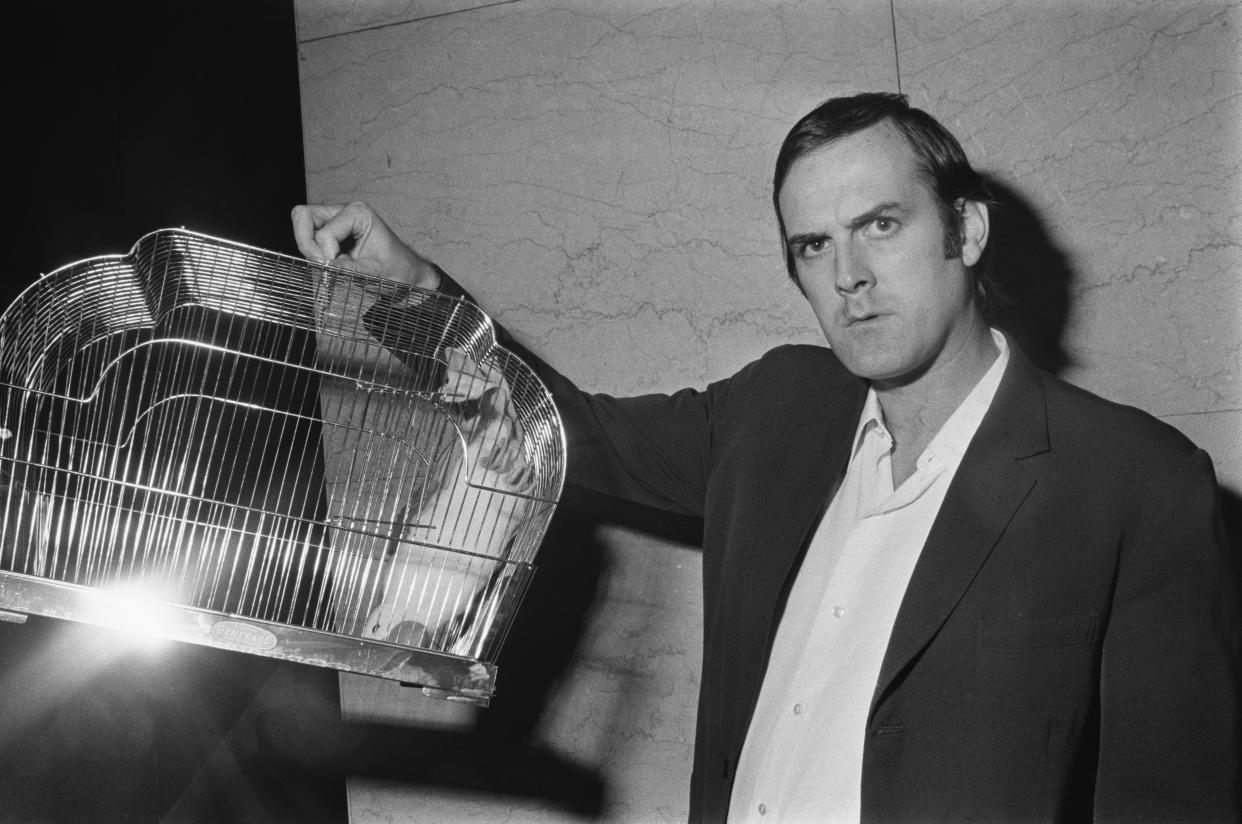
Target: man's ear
974,230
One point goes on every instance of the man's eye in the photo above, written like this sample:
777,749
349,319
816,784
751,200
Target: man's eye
812,248
883,226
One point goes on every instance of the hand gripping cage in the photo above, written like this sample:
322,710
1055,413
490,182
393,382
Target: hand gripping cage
237,448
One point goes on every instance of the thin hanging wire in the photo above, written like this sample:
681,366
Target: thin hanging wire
892,13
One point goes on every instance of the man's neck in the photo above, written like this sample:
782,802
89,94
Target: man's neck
916,410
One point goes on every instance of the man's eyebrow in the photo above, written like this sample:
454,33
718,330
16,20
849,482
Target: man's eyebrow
862,220
805,238
872,213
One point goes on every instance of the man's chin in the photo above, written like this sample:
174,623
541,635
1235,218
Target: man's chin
864,362
881,372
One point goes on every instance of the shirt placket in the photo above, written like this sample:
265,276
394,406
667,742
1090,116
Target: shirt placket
809,693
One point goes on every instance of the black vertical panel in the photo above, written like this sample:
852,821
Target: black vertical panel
123,118
135,116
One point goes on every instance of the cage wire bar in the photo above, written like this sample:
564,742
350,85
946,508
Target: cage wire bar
233,447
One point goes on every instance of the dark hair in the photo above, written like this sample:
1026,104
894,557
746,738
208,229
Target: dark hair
942,163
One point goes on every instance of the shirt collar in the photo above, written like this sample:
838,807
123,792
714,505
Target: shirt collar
872,419
949,444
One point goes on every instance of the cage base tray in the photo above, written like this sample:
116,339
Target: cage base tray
437,674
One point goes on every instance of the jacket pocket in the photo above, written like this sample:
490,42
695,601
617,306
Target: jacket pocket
1019,632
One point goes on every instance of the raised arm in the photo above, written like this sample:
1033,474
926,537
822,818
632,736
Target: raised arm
653,450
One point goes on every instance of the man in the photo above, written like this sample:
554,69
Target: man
939,585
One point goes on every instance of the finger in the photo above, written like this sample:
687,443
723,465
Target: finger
465,379
306,219
346,262
348,222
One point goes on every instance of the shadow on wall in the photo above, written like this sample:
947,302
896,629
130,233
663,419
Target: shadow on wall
1034,278
500,754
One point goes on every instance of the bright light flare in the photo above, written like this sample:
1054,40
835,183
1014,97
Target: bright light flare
136,611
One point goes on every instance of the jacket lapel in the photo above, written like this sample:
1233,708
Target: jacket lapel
811,465
989,487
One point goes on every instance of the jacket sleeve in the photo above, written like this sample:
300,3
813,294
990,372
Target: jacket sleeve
651,449
1169,685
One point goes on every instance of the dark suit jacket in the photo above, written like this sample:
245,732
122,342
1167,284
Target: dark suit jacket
1068,645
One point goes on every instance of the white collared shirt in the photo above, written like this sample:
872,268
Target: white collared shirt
802,760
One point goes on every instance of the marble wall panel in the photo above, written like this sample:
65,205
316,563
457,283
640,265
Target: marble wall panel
598,174
1119,125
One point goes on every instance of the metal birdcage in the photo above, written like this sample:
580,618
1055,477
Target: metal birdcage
237,448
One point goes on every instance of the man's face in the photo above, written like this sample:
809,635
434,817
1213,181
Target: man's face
868,242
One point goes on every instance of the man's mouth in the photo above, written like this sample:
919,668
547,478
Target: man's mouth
857,316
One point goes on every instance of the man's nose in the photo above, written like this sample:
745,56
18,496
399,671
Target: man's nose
853,270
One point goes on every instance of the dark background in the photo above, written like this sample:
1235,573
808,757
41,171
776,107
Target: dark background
127,118
130,117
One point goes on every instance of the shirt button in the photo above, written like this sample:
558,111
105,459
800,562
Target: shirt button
837,612
763,809
797,709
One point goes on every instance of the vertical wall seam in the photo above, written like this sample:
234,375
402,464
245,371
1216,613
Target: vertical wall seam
892,14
